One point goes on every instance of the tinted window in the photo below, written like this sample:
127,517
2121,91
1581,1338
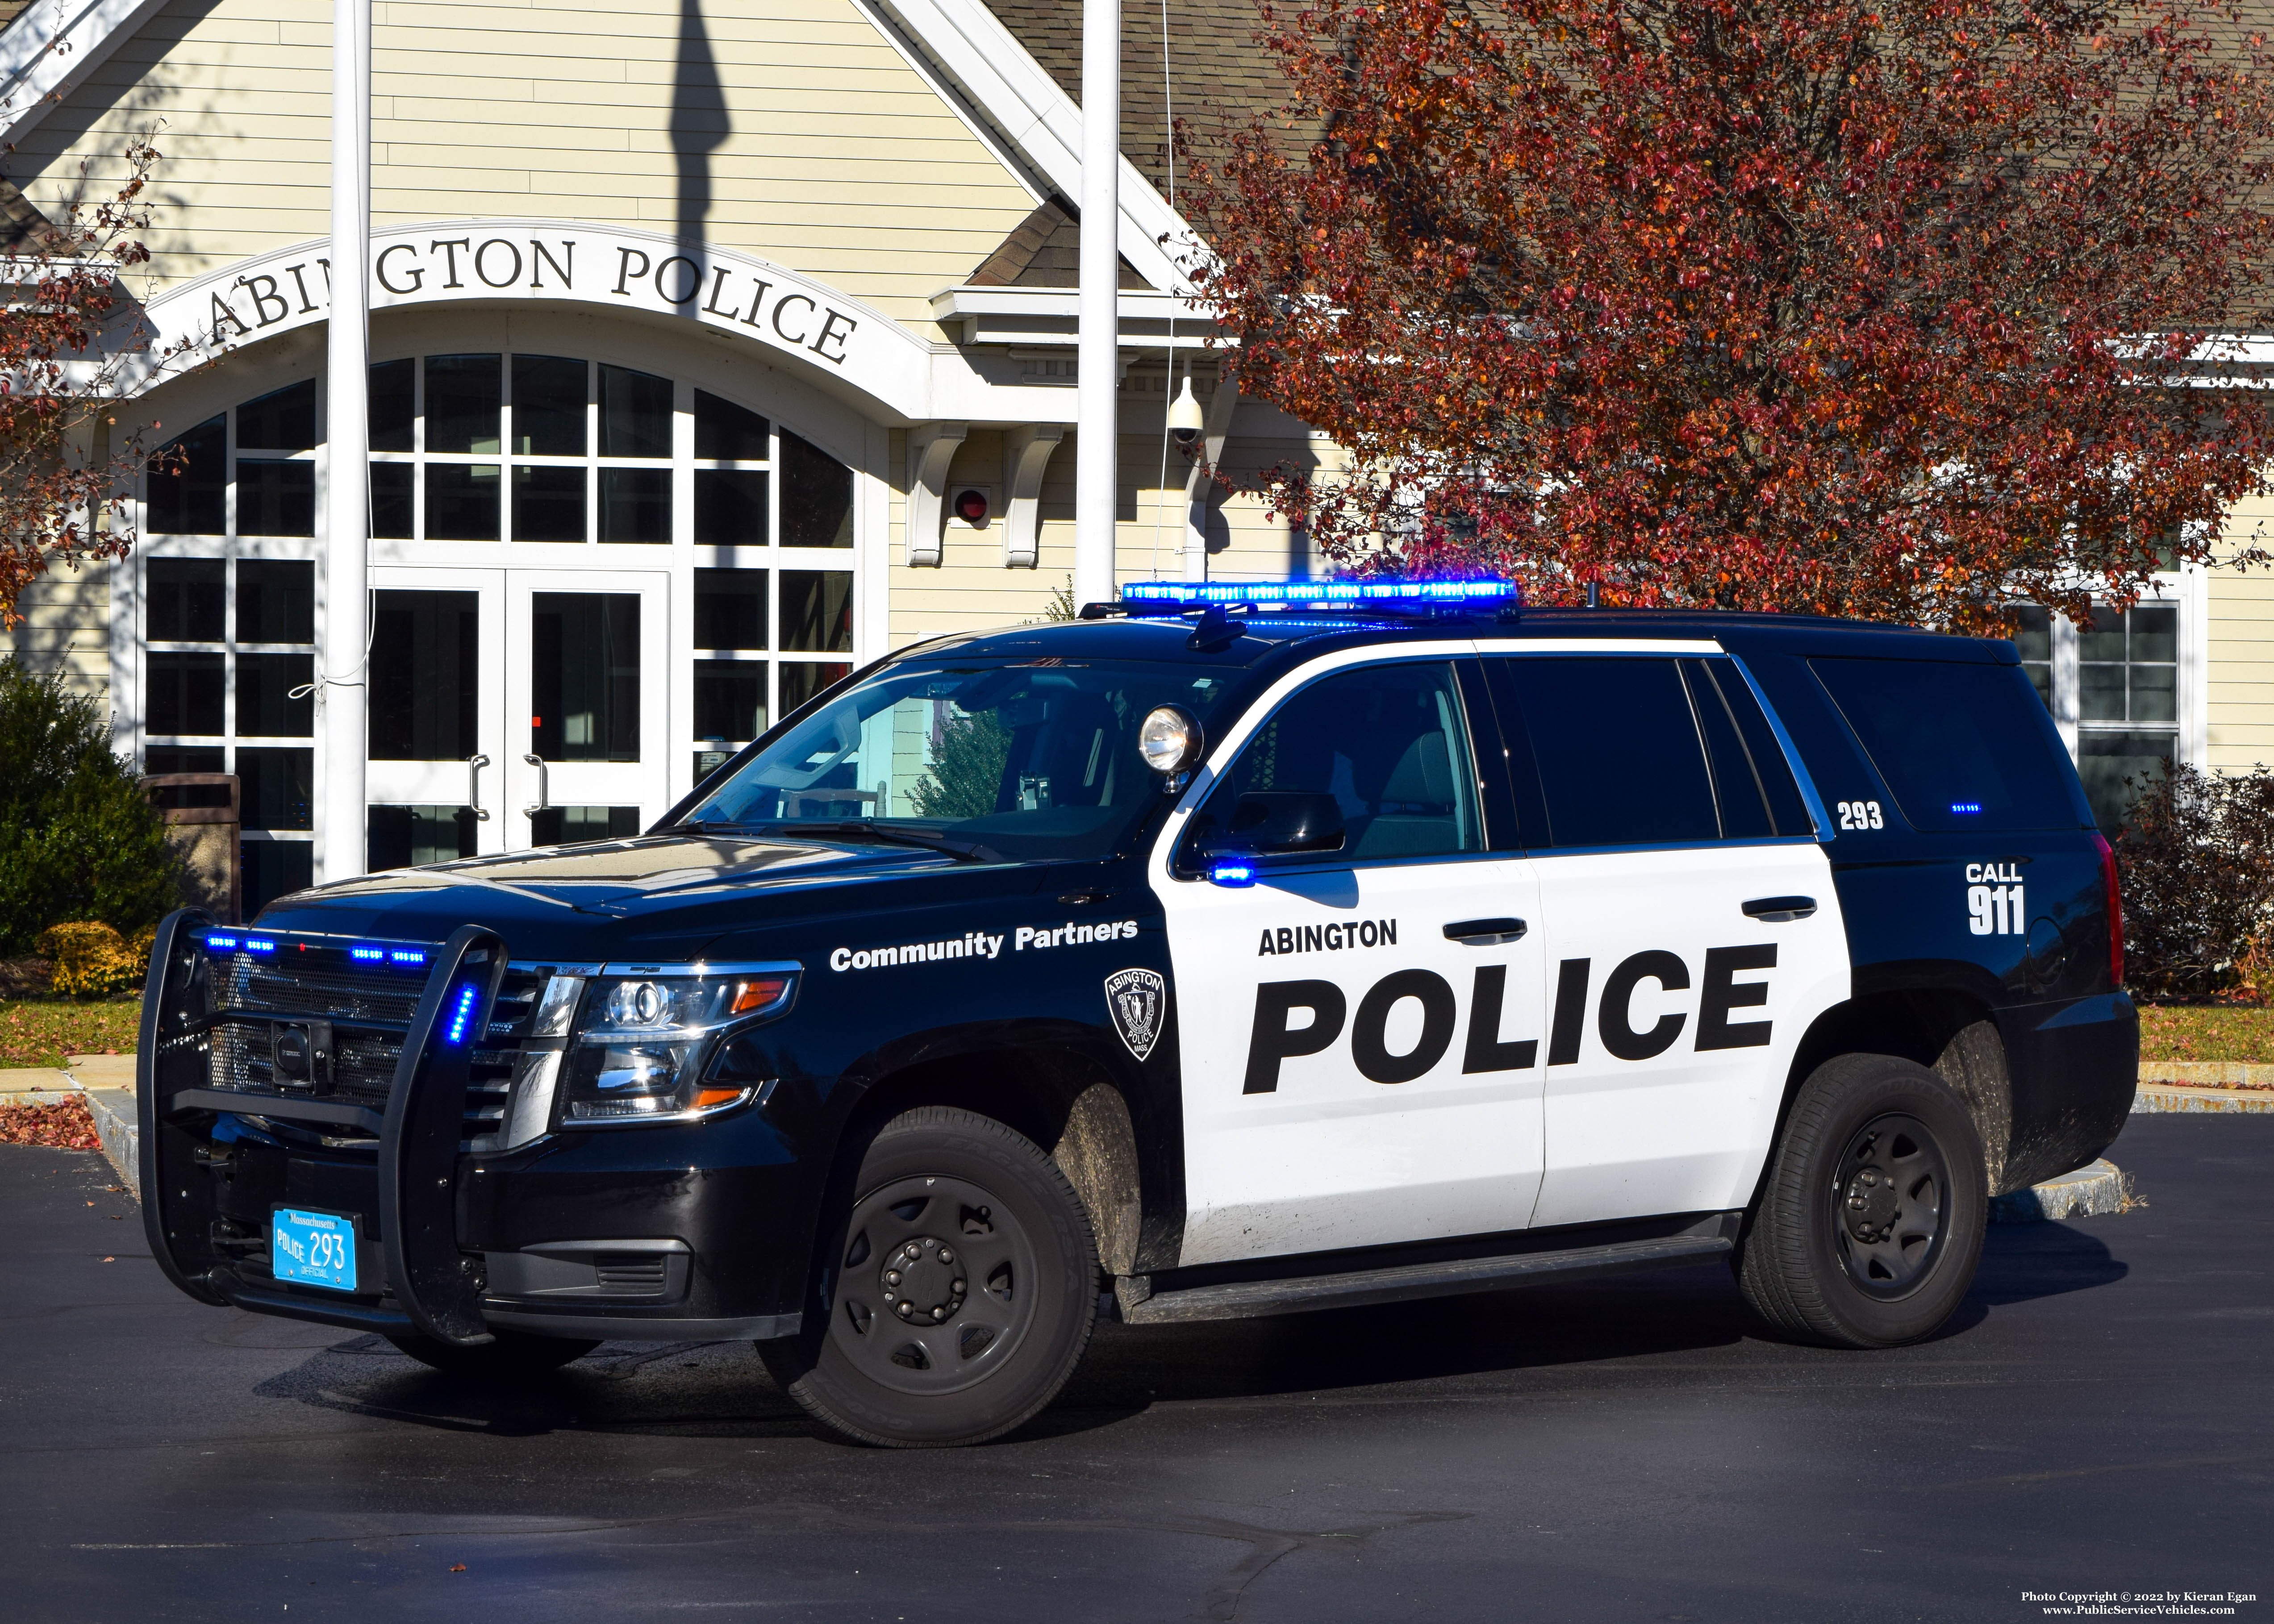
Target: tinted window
1753,781
1616,747
1961,747
1026,760
1388,742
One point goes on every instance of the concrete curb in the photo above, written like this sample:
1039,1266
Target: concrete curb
2153,1098
118,1125
2207,1074
2092,1192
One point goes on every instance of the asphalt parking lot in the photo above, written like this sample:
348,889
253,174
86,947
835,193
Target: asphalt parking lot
2100,1416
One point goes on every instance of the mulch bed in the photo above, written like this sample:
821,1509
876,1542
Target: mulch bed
26,978
63,1125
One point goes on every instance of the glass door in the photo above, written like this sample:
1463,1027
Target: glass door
435,700
586,729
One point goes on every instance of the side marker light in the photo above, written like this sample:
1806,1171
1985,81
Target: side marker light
1233,874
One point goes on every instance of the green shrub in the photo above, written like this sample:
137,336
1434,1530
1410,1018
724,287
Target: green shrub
2196,861
77,839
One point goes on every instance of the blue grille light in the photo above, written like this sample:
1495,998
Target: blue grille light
402,956
260,944
1142,594
1233,874
1966,806
220,945
462,1013
367,955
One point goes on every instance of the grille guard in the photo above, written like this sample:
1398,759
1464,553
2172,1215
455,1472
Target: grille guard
439,1287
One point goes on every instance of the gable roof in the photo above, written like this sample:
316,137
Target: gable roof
1214,74
1043,251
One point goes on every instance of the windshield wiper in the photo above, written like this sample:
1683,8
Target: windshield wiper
968,851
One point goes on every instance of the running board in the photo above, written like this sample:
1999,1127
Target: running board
1253,1299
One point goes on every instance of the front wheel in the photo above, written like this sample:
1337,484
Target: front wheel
954,1299
1870,1221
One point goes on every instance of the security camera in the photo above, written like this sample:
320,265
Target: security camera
1186,418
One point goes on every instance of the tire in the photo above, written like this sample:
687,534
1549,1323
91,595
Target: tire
988,1310
513,1353
1870,1221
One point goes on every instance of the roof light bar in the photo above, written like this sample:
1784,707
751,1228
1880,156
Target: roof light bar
1137,595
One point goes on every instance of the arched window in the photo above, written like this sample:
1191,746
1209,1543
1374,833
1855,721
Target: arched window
502,461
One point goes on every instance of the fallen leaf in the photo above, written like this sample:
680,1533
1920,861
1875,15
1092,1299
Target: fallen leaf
457,1568
110,1260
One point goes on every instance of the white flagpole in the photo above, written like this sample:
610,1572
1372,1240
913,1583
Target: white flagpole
1096,363
347,532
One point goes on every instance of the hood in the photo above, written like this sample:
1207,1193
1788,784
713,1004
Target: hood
655,896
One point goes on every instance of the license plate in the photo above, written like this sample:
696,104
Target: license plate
312,1249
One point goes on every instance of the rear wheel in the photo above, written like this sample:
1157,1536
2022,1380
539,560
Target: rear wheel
953,1300
510,1353
1871,1219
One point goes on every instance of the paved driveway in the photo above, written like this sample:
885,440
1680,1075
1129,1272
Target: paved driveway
2101,1416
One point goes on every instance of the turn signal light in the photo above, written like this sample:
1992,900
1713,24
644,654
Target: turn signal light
756,994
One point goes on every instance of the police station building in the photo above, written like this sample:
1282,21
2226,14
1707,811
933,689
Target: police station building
714,350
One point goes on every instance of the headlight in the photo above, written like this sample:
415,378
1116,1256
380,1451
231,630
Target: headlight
648,1031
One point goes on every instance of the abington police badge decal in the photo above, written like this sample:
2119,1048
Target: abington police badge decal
1138,999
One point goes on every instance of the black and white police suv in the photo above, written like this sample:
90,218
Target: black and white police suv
1233,951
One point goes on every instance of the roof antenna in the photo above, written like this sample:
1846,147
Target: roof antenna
1595,595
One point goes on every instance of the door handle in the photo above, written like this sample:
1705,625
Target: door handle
1487,932
544,786
474,765
1781,910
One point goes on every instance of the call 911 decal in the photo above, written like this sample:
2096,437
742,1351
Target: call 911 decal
1275,1035
1994,905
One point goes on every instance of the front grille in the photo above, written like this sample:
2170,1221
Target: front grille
371,1006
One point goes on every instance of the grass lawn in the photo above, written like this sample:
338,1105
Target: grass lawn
40,1032
2206,1031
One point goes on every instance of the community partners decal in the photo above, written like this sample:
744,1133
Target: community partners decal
979,944
2139,1604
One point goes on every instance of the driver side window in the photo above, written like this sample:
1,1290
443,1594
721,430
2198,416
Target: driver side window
1368,765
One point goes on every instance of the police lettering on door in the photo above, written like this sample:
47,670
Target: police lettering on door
1275,1036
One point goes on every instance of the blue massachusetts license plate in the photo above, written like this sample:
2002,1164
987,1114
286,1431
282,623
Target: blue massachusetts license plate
312,1249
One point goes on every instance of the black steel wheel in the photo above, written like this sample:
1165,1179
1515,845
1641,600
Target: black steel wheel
507,1354
956,1295
1870,1216
1890,1207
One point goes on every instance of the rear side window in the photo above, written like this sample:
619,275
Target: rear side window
1615,743
1961,747
1751,779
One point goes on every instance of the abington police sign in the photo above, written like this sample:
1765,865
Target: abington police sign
541,262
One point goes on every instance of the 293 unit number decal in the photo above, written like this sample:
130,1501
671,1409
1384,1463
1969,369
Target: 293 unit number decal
1861,815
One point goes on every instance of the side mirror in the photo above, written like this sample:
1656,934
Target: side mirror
1273,822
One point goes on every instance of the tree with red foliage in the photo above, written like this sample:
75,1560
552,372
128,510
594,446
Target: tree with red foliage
69,339
1898,308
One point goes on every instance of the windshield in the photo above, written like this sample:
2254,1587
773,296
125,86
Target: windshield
1028,760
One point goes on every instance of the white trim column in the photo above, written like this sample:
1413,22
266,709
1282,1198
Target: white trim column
1096,373
340,658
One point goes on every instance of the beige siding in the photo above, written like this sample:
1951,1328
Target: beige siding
2238,664
66,626
793,131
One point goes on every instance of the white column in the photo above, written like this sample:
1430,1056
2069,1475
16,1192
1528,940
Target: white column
1097,365
346,508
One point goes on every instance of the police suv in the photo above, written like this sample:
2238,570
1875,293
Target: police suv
1232,951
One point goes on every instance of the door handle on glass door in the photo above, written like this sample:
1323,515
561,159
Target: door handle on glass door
544,787
474,765
1781,910
1487,932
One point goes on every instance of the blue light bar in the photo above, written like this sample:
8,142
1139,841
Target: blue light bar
1966,806
368,955
462,1013
1142,594
220,945
1233,874
405,956
260,944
